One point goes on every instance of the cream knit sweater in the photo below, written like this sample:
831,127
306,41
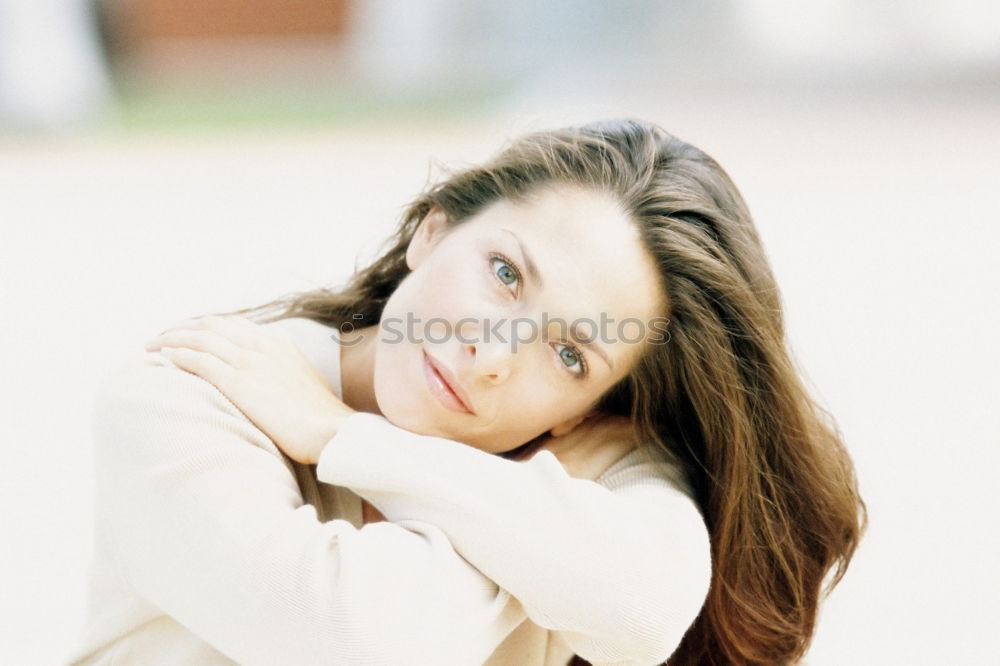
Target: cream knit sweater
212,547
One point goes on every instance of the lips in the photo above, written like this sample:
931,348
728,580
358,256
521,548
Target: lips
449,380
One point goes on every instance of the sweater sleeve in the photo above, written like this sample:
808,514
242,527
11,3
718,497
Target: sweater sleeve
620,569
208,524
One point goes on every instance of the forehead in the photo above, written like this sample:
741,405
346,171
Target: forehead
587,250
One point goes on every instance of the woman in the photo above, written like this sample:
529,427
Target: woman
659,490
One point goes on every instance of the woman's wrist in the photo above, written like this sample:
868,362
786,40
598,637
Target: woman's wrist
327,428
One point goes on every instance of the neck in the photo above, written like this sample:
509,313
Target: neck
357,369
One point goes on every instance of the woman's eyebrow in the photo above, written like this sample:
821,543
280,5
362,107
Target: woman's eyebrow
529,262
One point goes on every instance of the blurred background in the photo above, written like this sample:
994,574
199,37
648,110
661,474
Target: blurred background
160,160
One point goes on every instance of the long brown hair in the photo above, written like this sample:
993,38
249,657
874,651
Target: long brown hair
723,397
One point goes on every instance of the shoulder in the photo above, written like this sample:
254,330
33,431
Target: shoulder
659,486
661,492
150,378
641,467
145,387
147,406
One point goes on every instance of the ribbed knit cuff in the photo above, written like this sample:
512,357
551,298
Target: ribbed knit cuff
339,458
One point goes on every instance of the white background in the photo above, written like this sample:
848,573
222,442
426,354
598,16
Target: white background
877,204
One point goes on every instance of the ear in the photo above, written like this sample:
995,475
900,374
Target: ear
429,231
569,424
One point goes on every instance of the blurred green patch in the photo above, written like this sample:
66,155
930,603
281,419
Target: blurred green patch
265,108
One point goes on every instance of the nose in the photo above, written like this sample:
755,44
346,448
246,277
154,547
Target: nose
490,355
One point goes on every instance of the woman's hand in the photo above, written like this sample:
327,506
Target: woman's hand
264,374
590,448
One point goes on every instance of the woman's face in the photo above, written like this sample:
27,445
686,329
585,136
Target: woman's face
489,305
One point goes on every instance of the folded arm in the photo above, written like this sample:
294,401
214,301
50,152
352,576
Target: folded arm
619,568
210,526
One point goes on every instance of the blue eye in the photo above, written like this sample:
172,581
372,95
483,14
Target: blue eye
571,356
507,273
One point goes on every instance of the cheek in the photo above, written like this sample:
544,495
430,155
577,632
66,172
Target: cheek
529,411
396,390
455,287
